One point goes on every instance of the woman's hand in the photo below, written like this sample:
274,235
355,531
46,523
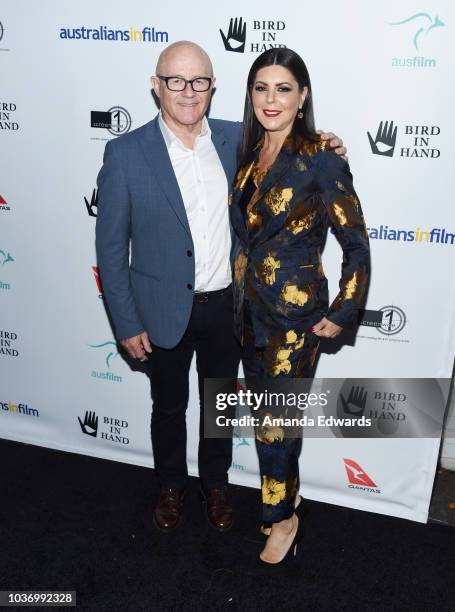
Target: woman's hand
326,329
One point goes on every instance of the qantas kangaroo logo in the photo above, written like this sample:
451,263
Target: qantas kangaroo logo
357,475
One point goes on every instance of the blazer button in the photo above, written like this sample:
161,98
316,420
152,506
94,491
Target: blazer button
189,253
190,286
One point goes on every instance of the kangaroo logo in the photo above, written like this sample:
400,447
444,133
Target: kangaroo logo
424,23
110,354
357,475
5,257
238,441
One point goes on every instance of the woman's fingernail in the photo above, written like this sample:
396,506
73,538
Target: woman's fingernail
311,329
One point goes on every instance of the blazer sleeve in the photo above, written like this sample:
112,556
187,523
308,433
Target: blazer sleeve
113,245
345,214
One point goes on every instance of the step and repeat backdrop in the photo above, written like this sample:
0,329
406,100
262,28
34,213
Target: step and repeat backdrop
75,75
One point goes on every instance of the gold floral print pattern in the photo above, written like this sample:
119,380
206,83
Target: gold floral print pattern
273,491
291,337
338,210
282,363
269,434
346,209
340,186
355,286
279,350
351,286
253,219
310,148
266,270
239,267
298,220
300,343
293,295
277,200
258,175
300,165
242,176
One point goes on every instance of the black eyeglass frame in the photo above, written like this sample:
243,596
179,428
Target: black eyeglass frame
190,81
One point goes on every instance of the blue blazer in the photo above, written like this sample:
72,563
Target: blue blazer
277,259
143,241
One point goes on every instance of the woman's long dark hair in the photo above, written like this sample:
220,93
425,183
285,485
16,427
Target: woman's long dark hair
304,127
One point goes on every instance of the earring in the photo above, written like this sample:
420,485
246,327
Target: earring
300,114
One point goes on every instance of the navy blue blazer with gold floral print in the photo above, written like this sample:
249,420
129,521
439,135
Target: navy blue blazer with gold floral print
277,258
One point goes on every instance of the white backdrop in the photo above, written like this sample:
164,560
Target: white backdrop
369,64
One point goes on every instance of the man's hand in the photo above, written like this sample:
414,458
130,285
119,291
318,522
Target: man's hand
326,329
137,346
335,142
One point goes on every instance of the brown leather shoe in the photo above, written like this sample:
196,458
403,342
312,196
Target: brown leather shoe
218,508
168,511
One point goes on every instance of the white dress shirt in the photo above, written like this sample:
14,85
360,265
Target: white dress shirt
204,189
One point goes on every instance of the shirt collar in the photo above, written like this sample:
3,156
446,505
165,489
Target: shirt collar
172,140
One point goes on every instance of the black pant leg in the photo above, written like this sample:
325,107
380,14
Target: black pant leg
169,379
217,356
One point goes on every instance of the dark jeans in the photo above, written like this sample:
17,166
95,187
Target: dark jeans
210,335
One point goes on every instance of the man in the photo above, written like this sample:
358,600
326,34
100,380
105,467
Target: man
163,189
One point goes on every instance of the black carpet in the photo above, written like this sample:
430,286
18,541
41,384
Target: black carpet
71,522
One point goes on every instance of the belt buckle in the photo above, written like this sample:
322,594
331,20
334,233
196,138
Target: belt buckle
202,297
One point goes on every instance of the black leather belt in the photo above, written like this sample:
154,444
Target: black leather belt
204,296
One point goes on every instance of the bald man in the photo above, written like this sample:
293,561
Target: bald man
163,241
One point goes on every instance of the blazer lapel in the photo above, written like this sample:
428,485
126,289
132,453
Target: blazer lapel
237,218
225,152
276,172
155,150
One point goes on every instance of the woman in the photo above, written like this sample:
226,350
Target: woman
289,188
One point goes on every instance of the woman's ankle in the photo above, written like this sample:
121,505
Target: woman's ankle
286,525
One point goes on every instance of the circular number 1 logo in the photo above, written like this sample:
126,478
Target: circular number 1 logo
393,320
120,120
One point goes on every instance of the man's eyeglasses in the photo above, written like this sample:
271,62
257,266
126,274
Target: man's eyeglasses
175,83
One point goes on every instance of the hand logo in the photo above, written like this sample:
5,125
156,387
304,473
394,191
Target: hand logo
93,204
90,424
356,401
236,36
384,143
